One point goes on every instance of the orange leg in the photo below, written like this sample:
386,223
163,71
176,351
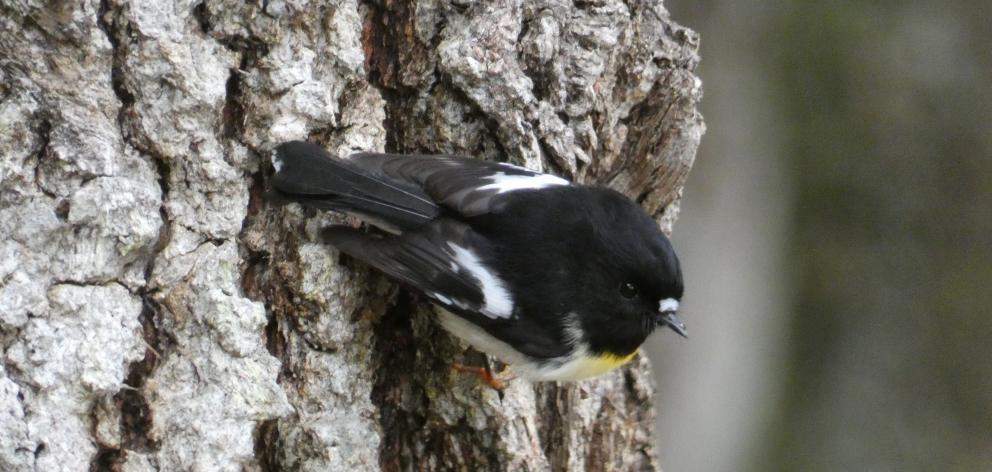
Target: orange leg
495,380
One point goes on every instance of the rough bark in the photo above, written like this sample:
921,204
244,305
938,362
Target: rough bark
156,315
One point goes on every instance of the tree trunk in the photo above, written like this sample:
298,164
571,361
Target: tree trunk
155,314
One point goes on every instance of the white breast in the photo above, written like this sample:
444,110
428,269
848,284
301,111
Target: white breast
580,364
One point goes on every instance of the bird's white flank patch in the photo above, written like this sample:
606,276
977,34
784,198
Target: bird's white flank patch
503,182
576,365
668,304
497,301
276,161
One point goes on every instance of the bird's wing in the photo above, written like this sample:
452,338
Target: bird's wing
442,261
396,191
470,187
432,260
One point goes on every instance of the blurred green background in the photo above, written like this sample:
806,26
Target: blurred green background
836,236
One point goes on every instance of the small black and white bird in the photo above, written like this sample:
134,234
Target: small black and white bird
560,281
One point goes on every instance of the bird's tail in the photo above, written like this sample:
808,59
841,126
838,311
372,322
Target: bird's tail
307,174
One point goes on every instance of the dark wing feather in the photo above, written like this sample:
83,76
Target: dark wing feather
422,259
400,191
307,174
470,187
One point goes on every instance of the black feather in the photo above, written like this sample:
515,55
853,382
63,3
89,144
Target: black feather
402,191
419,258
308,175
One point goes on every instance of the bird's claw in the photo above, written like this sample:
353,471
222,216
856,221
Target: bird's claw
497,381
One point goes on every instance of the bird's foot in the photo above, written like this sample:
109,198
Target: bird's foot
496,380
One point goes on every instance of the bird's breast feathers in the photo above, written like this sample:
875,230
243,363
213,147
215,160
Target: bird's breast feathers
584,364
579,364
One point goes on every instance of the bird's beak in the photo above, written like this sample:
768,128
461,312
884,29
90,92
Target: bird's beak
671,320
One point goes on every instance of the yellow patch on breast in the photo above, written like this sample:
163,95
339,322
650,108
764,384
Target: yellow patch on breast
592,366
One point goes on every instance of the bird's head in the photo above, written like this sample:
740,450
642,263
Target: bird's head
636,276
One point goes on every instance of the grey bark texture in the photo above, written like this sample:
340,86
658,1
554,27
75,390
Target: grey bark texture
155,314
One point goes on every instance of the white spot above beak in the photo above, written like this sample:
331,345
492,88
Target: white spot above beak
668,304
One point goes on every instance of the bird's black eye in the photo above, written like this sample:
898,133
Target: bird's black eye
628,290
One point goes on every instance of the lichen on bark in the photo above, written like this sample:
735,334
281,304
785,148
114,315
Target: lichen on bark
155,314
